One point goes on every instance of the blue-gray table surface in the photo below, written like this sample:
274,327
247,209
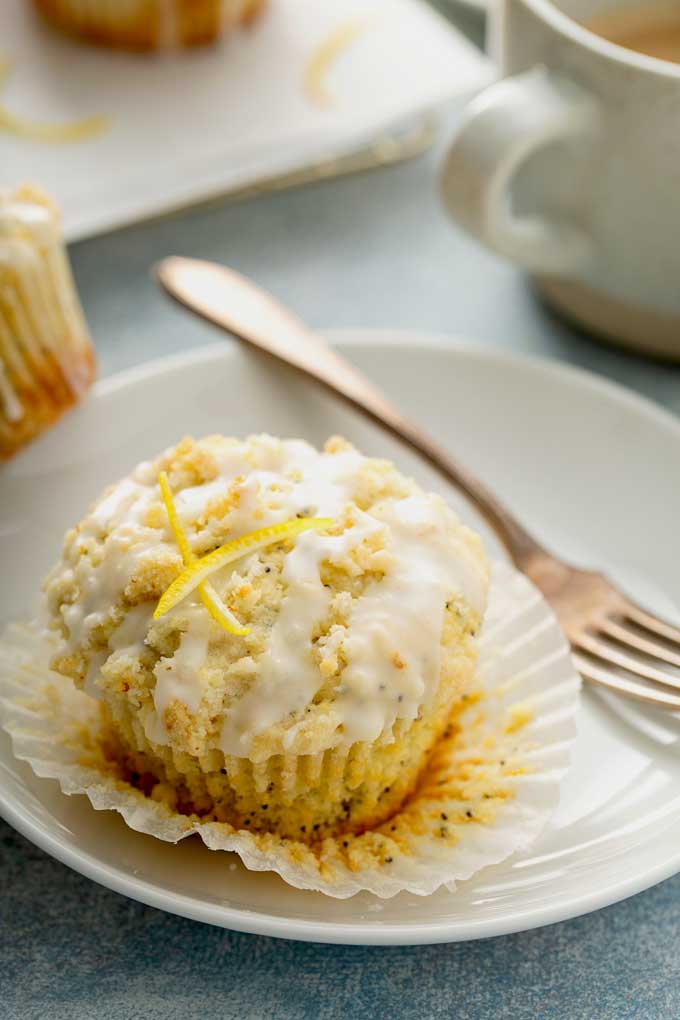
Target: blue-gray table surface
370,250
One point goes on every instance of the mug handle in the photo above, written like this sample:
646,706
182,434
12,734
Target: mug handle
503,126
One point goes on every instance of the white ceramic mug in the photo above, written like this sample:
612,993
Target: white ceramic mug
570,166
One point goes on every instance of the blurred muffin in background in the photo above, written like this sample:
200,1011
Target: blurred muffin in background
149,24
46,357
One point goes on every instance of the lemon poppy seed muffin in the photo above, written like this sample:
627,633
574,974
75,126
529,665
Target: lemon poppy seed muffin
361,632
46,357
149,24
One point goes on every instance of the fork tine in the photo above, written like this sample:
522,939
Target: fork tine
608,653
649,622
632,640
622,685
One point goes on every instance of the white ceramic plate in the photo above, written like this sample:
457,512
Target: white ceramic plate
591,467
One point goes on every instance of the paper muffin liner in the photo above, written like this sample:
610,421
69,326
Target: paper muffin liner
489,787
144,25
46,356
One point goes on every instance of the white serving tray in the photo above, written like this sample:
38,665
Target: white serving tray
192,125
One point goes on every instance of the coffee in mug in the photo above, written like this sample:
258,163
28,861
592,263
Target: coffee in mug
651,30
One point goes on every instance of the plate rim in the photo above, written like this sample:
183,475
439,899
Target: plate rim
338,932
358,336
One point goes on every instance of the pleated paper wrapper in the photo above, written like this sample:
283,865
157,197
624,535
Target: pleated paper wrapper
489,788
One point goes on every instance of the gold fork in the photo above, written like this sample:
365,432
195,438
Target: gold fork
617,644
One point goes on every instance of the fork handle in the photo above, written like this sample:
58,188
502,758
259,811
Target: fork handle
239,306
521,546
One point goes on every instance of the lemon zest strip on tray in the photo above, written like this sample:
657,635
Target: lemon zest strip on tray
324,56
57,134
197,572
209,597
74,131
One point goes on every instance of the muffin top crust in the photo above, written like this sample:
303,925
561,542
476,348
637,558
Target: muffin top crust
349,626
27,217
